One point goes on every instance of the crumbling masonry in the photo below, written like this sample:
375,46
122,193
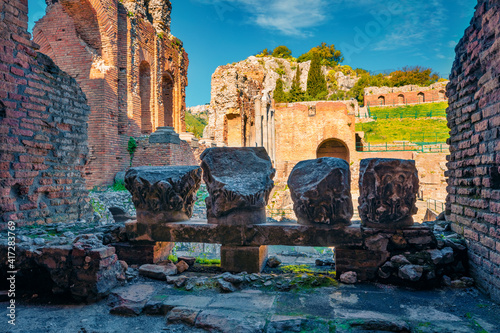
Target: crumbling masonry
133,71
43,130
473,202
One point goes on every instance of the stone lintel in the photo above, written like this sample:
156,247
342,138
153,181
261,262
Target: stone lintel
246,235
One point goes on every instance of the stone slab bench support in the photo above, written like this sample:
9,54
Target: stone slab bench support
239,181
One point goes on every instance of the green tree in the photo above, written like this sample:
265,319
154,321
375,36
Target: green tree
279,94
328,55
264,53
296,93
282,52
316,83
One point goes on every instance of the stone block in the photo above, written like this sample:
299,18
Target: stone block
321,191
163,194
388,192
250,259
239,181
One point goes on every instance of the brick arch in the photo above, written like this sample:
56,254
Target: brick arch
145,95
442,94
333,148
167,97
401,99
381,100
421,97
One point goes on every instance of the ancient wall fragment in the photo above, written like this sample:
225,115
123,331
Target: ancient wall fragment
43,130
474,118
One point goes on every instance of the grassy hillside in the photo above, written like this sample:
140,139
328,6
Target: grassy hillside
195,124
410,111
407,129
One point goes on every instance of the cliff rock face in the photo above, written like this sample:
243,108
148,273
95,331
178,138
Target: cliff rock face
236,86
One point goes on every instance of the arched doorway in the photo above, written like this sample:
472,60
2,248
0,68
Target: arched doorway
333,148
167,86
441,94
145,94
381,100
401,99
421,97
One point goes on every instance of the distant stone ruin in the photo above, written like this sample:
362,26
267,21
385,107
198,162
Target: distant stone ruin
410,94
132,69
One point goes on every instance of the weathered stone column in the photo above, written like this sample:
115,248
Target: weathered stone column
258,122
321,192
388,192
239,181
265,122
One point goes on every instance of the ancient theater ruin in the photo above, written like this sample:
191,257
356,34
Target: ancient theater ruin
117,73
131,68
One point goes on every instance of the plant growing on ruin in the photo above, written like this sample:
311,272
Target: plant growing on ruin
131,148
279,94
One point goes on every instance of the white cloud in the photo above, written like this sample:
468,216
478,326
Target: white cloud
289,17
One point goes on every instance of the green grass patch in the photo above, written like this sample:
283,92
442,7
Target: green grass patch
118,186
410,111
414,130
205,261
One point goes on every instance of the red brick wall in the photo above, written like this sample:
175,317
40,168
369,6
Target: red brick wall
102,43
43,130
159,154
473,202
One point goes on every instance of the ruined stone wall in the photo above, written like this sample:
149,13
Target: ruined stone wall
236,87
411,94
43,130
473,203
159,154
133,71
305,131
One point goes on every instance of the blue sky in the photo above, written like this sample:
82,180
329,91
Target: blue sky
377,35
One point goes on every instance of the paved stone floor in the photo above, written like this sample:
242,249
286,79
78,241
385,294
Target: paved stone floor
346,308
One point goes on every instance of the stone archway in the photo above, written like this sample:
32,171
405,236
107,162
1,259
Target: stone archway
145,94
442,94
381,100
421,97
401,99
333,148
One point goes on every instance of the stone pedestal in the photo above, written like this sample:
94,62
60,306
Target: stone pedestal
165,134
250,259
140,254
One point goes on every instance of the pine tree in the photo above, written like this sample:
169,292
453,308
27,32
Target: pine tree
296,94
279,94
316,83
